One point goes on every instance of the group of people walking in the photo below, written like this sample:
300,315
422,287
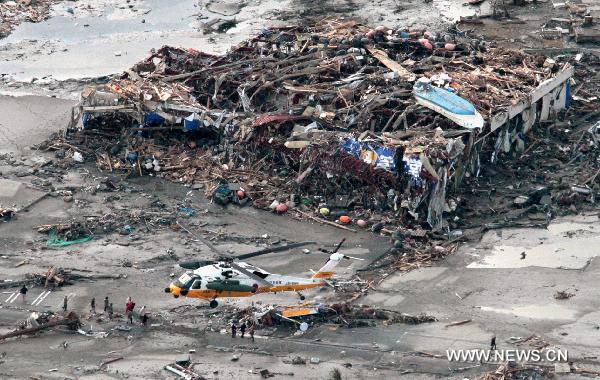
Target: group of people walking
108,307
243,328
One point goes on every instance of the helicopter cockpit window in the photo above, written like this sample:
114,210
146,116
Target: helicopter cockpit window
260,274
197,284
183,280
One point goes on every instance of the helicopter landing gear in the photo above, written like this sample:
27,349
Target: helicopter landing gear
213,303
302,298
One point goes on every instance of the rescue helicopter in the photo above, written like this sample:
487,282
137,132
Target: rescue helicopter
230,278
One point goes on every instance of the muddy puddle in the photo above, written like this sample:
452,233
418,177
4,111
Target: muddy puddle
549,311
566,243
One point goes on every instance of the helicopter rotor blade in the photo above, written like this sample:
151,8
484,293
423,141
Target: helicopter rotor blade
272,250
339,245
353,258
195,264
251,275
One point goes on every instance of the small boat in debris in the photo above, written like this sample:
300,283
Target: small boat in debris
446,103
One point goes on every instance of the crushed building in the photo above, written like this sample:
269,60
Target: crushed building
378,124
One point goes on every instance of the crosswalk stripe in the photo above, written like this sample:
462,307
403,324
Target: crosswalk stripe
37,298
12,297
40,298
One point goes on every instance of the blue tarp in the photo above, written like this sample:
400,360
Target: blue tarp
191,123
152,118
379,156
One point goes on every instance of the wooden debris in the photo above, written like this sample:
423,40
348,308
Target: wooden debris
71,320
458,323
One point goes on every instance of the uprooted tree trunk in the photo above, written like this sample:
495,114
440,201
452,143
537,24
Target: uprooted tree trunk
71,320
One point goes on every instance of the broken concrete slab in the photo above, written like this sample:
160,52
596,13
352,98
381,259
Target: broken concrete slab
17,194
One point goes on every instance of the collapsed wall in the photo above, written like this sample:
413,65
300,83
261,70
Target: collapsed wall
332,116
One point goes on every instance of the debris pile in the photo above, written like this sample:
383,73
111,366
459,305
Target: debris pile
7,214
122,221
53,277
12,13
343,314
39,322
512,371
184,369
324,119
358,315
563,295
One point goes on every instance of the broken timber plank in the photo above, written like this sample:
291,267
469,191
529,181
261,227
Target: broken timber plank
382,57
107,108
323,221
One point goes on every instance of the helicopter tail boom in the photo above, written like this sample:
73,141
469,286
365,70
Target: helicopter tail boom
327,270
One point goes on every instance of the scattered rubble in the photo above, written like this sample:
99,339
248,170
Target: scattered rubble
6,214
12,13
184,369
563,295
517,372
346,314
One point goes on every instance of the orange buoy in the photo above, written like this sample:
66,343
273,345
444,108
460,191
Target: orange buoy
344,219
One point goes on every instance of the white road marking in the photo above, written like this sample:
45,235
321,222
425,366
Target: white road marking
12,297
41,298
38,297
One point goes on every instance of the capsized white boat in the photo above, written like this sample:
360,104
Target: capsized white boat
446,103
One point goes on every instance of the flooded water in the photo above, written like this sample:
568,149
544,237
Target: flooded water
101,37
77,42
549,311
567,244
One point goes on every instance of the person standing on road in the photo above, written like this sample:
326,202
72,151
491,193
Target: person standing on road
233,329
243,329
93,305
493,343
23,293
106,304
251,332
65,303
129,306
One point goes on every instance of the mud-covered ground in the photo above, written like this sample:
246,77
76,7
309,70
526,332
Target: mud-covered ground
503,285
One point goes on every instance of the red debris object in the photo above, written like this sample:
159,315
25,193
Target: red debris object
425,42
281,208
450,46
241,194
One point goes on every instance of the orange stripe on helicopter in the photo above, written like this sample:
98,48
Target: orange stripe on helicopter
323,275
210,294
290,313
